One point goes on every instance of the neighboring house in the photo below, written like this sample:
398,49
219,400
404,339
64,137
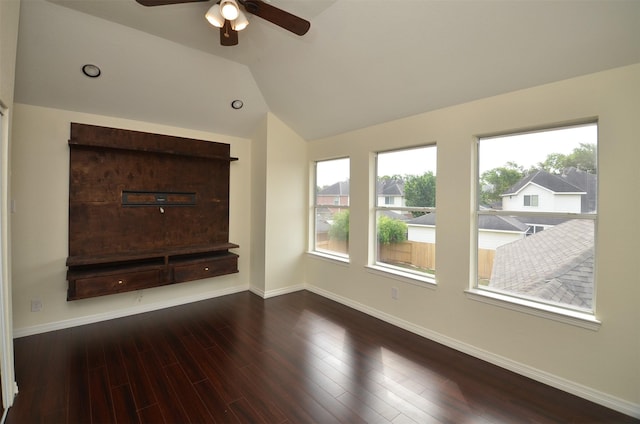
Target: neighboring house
585,181
561,257
336,194
422,229
494,231
390,192
555,265
542,191
573,191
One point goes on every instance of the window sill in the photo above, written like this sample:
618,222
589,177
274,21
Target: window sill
406,277
567,316
341,260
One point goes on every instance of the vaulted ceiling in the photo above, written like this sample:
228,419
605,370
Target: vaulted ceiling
363,61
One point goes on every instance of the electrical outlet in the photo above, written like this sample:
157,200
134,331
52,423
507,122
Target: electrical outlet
394,293
36,305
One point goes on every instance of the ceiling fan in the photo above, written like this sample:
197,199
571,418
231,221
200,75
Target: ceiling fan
226,15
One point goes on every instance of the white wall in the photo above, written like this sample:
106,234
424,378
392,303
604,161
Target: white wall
395,201
598,364
547,201
40,187
421,233
491,240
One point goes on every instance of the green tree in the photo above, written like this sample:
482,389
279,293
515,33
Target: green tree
339,229
496,181
582,158
391,230
420,190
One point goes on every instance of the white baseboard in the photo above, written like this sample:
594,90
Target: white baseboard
601,398
138,309
277,292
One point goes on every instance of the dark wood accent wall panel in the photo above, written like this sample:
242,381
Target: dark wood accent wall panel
136,198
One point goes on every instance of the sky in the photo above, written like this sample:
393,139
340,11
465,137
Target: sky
527,150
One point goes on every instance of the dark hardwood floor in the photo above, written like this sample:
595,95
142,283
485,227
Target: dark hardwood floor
297,358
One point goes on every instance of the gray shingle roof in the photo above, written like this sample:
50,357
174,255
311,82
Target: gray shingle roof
387,187
390,187
501,223
427,219
552,182
338,189
586,182
485,222
555,264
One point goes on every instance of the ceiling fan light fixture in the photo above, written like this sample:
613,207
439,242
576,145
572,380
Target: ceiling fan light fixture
240,22
214,16
229,9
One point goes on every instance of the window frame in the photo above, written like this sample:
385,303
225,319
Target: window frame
410,276
326,253
583,317
530,200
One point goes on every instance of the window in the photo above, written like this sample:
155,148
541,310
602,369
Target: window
534,229
331,207
531,200
405,211
520,194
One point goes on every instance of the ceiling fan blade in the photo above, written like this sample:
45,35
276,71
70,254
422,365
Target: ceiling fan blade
277,16
165,2
228,36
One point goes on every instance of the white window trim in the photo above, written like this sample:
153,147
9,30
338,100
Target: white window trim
329,256
535,308
586,319
325,254
381,268
417,279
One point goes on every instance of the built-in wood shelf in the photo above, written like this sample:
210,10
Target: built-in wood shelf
145,210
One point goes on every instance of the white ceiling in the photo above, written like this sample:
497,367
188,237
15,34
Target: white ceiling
363,61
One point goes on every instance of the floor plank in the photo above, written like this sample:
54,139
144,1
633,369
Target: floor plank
296,358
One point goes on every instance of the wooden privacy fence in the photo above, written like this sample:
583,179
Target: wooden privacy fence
421,255
485,263
339,246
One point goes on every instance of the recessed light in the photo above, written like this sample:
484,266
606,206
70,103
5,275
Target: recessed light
237,104
92,71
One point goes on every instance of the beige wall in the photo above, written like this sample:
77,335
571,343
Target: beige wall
9,19
286,214
599,364
40,187
279,183
258,211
